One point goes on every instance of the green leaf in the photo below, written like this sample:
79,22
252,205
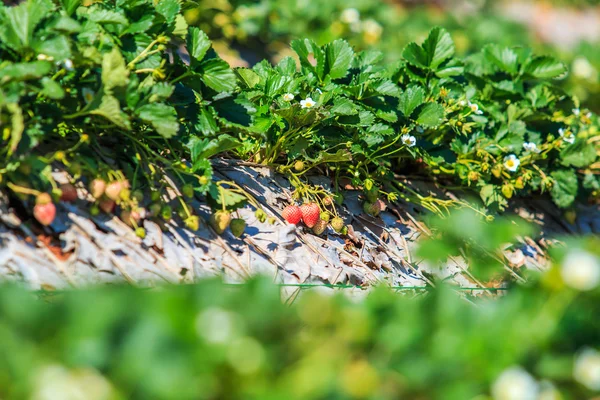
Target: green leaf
274,84
343,106
492,197
545,67
102,16
198,43
111,110
287,66
162,117
68,25
70,6
114,72
338,57
503,57
161,91
410,99
168,9
579,154
248,77
218,75
201,149
141,25
57,47
18,23
437,48
52,89
565,187
431,115
25,71
304,48
17,127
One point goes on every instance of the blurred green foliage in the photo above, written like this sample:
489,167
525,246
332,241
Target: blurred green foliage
214,341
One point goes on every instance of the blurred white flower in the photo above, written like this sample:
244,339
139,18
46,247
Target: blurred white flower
475,108
548,391
350,16
580,270
530,146
587,369
216,325
583,69
576,112
408,140
515,384
372,29
462,103
88,94
567,136
68,64
57,382
44,57
511,163
307,103
288,97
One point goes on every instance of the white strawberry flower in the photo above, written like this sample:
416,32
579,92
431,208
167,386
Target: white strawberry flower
576,112
88,95
515,384
530,146
288,97
462,103
475,108
582,68
511,162
408,140
580,270
68,64
44,57
350,16
587,368
307,103
567,136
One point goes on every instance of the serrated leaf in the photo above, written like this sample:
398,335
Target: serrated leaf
168,9
102,16
17,126
437,48
198,43
162,117
114,72
19,22
431,115
203,148
410,99
579,154
287,66
564,190
248,77
111,110
492,197
52,89
306,47
338,57
141,25
161,91
343,106
274,84
387,88
25,71
504,58
545,67
218,75
70,5
57,47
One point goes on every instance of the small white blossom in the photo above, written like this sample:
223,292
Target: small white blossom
462,103
288,97
511,162
587,369
567,136
475,108
372,27
530,146
408,140
583,69
307,103
576,112
515,384
88,95
68,64
548,391
588,114
350,16
580,270
318,91
44,57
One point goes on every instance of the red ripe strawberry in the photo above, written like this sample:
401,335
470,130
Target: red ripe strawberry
107,205
69,193
113,190
97,187
310,214
44,211
320,227
292,214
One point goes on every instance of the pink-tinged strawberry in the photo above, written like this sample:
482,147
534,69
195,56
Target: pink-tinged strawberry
319,227
68,193
97,188
292,214
220,221
310,214
328,201
337,224
372,209
44,210
113,190
237,227
131,217
381,204
107,205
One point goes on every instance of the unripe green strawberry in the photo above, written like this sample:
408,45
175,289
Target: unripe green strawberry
203,180
319,227
271,220
371,208
94,210
192,222
140,232
166,212
220,221
138,195
154,209
44,210
260,215
97,188
237,227
328,201
299,166
113,190
344,230
188,191
507,190
155,196
337,224
325,216
125,194
68,193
